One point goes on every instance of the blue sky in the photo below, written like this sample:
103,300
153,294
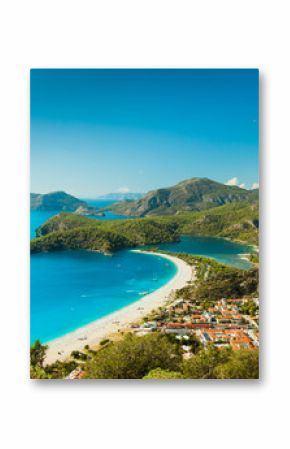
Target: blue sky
100,131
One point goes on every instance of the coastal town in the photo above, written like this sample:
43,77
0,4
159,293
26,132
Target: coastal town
228,322
198,313
205,306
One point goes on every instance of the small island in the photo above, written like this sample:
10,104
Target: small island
89,210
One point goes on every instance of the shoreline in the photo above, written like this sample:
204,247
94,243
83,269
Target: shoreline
91,334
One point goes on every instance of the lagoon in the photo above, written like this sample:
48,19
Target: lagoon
222,250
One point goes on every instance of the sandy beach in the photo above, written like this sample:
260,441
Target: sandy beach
96,331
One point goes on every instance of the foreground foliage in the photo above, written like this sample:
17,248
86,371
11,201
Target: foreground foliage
155,356
134,357
159,373
240,365
38,370
214,363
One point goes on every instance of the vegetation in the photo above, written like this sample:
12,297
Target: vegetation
227,283
254,258
214,363
237,221
63,222
38,370
133,357
159,373
194,194
240,365
78,355
215,280
204,364
59,370
81,238
155,356
250,308
69,231
104,342
37,354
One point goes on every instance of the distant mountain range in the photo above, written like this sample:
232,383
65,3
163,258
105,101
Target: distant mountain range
64,202
194,194
130,196
61,202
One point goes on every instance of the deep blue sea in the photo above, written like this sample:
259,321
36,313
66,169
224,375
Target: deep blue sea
72,288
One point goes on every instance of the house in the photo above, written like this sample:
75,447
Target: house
150,325
186,348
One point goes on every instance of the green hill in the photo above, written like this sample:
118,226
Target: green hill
59,201
68,231
195,194
235,221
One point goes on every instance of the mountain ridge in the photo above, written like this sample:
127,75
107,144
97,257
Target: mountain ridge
195,194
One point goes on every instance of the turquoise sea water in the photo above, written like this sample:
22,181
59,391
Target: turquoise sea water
108,215
72,288
37,218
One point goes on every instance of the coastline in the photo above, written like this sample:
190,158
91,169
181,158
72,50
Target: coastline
91,334
246,256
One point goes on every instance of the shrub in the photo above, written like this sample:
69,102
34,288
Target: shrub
134,357
242,364
159,373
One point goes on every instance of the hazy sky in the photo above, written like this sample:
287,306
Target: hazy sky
100,131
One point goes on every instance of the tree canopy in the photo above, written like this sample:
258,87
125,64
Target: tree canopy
159,373
133,357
